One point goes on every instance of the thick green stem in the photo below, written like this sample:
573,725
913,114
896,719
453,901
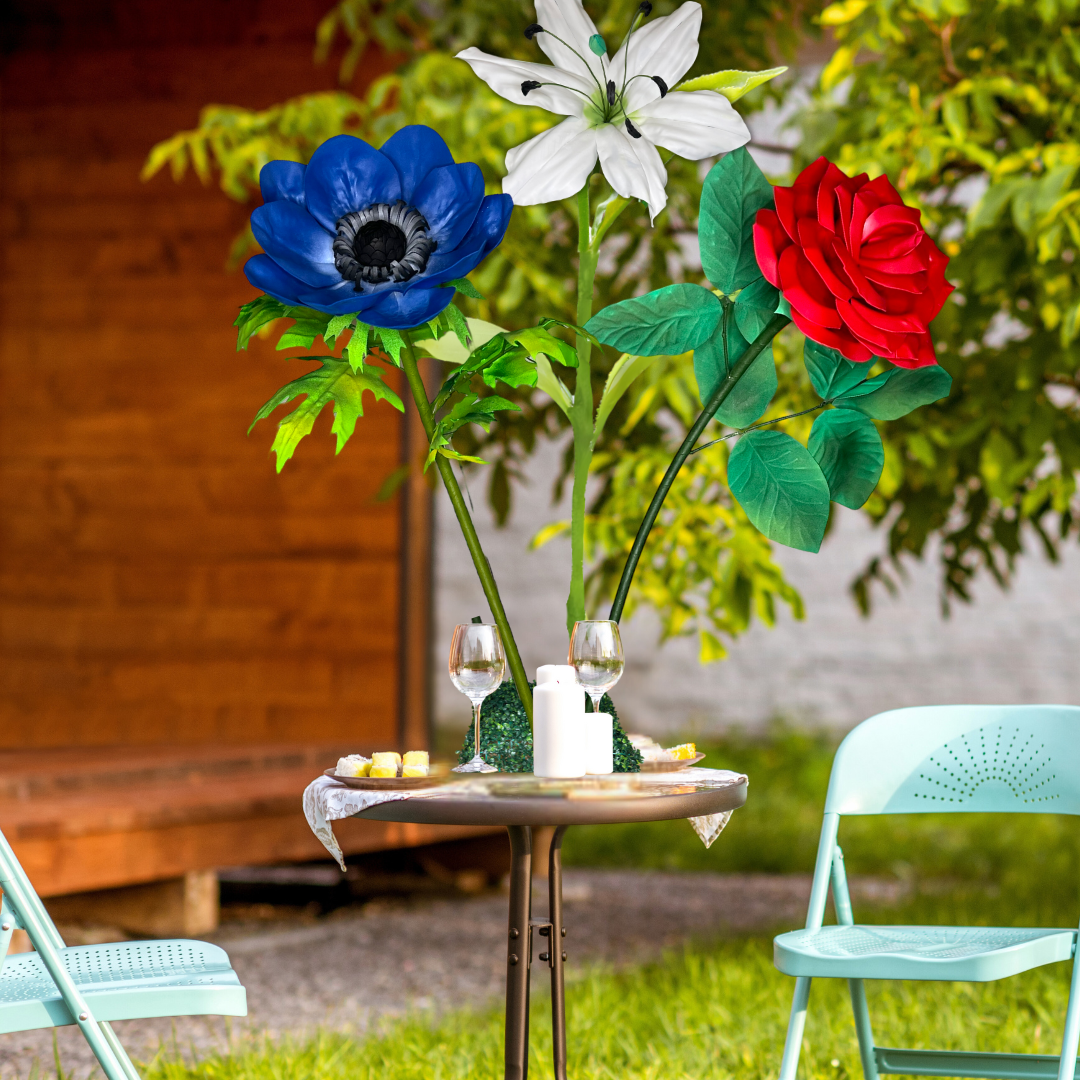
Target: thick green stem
483,567
741,366
581,415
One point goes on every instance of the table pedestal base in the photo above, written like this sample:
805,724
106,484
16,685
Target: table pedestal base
519,952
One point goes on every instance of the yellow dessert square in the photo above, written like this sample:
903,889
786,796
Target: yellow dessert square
683,752
414,770
416,758
383,770
385,760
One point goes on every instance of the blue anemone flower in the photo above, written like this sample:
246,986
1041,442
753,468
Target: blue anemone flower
374,232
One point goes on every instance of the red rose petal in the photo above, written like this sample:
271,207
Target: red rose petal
883,191
863,330
769,241
858,278
900,323
826,197
906,283
784,198
841,340
810,177
815,240
804,289
884,216
911,263
892,246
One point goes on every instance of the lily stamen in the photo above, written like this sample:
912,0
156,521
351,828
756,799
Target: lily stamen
599,85
530,84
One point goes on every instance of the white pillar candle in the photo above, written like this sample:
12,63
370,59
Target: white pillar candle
599,743
562,673
559,746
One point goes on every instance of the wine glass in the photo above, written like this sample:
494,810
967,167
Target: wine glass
596,653
477,666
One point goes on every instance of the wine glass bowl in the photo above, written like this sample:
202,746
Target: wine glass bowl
596,653
477,666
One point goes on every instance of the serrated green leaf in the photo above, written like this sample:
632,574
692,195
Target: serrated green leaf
781,487
666,322
458,324
547,322
470,410
831,374
336,327
357,350
537,340
626,369
754,307
391,341
751,395
254,315
848,449
732,84
734,191
333,382
513,367
309,325
463,286
898,391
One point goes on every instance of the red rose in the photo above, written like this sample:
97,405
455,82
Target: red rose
854,263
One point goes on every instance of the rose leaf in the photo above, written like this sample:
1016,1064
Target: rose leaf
898,391
666,322
751,395
847,447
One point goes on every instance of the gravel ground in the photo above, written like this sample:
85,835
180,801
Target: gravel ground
348,969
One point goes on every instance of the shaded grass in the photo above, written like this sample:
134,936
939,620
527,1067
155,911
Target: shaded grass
718,1012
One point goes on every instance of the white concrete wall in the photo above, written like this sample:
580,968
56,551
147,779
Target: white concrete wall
834,668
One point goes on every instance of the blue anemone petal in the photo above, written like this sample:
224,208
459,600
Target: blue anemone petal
338,300
296,242
487,233
346,174
401,310
265,274
282,180
415,150
449,199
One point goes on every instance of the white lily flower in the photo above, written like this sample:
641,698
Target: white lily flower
618,110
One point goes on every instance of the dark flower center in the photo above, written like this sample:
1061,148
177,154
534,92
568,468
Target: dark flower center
382,243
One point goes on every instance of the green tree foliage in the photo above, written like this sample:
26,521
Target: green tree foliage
972,107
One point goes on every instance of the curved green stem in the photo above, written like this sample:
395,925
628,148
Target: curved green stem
468,529
753,350
581,415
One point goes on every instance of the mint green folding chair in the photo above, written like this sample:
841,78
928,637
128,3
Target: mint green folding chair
89,985
969,758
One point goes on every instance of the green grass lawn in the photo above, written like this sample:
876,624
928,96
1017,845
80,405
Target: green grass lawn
720,1009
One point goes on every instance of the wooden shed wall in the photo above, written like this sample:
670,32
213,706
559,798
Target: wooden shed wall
158,582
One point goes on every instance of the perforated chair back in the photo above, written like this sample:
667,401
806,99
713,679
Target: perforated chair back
960,758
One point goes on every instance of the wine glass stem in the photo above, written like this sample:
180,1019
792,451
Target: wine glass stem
596,699
476,725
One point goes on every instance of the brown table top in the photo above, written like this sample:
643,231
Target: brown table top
528,800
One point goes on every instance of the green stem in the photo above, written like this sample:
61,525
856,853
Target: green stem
468,529
753,350
581,415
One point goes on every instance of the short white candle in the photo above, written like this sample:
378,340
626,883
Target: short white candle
559,743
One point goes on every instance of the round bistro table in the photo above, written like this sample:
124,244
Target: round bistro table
520,814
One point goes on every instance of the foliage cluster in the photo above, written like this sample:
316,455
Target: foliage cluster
972,107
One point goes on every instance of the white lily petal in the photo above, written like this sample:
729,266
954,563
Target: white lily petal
568,20
667,47
694,124
506,76
632,167
553,165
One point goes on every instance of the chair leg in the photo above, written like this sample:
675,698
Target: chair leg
862,1028
117,1048
789,1066
1071,1040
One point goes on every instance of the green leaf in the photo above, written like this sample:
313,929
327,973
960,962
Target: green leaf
665,322
781,488
627,368
333,382
337,326
537,340
831,374
847,447
552,385
357,350
463,286
254,315
898,391
458,324
547,322
513,368
470,410
734,191
754,307
752,393
391,341
309,325
732,84
450,349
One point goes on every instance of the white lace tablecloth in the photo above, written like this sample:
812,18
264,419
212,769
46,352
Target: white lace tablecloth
327,799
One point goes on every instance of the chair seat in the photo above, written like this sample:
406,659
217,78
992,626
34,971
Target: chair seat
128,980
942,953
